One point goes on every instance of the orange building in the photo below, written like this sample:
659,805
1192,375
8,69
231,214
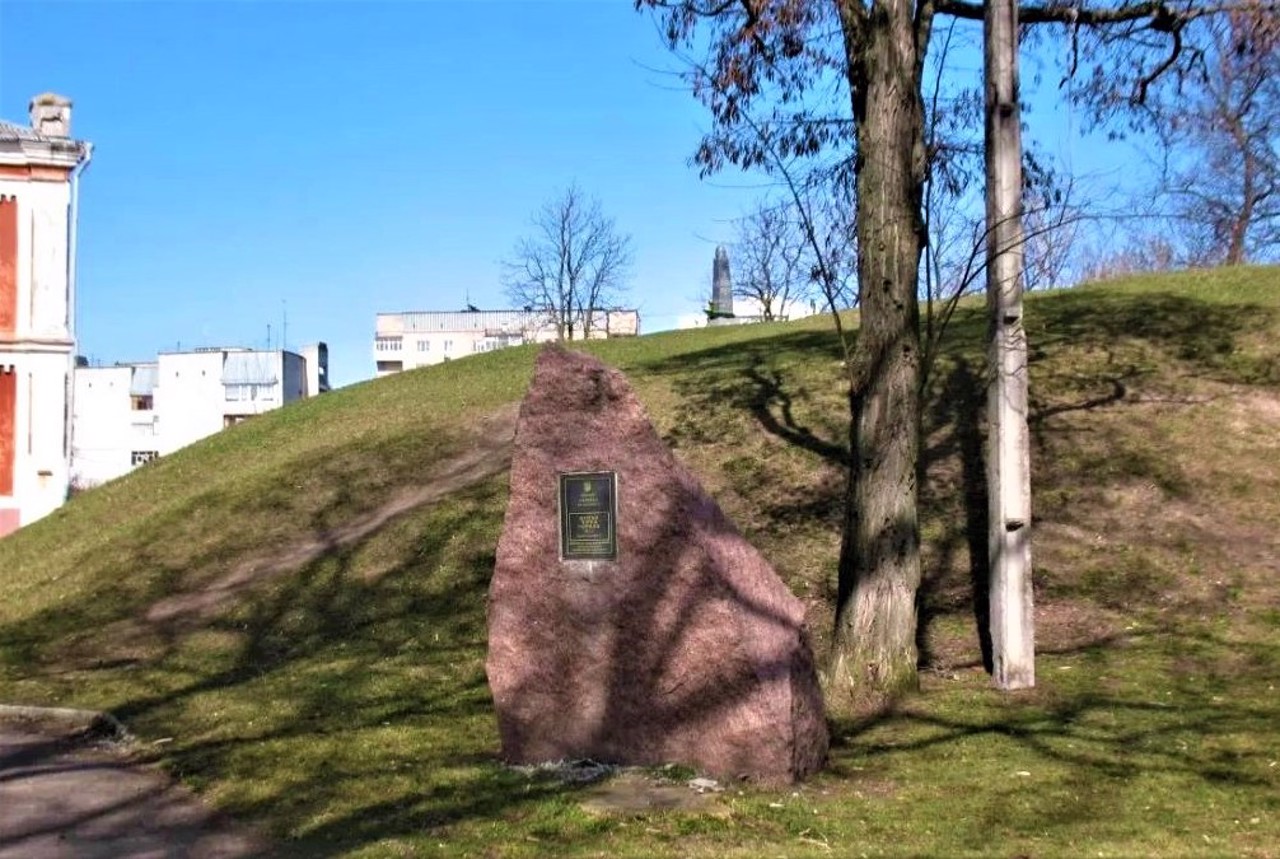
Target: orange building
40,167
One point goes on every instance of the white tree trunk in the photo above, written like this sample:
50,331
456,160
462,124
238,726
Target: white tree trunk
1008,442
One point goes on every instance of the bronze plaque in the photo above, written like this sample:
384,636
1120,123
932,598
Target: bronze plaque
589,516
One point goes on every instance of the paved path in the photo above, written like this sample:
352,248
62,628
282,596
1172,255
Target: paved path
63,796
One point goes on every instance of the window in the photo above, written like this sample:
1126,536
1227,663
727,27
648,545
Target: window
140,402
247,393
424,345
387,344
142,457
448,345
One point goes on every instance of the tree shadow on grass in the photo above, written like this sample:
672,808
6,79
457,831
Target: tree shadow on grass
321,698
1127,338
364,666
763,381
768,385
1090,351
385,689
1089,728
342,701
1206,338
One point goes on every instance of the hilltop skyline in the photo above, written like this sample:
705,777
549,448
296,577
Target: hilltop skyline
323,163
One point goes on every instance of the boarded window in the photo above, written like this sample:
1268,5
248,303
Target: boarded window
8,265
8,426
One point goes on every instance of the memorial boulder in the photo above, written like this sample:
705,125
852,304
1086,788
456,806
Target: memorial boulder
629,621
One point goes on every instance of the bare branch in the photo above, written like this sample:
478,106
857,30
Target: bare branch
572,266
1161,16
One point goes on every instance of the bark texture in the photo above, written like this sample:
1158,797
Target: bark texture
875,645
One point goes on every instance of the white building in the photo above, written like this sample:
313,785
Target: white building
40,167
403,341
129,414
749,310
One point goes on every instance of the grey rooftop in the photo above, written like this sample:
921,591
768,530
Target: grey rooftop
14,131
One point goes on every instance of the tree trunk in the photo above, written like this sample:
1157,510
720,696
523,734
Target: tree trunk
875,645
1008,443
1248,175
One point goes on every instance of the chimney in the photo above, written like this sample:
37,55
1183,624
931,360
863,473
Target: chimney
51,115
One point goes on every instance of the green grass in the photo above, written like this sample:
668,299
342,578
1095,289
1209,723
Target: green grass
336,698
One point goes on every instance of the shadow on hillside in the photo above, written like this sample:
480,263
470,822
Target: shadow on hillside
1126,339
962,536
1099,350
345,698
361,665
1205,337
716,385
364,664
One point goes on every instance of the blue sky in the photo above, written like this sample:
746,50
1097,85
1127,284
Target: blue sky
332,160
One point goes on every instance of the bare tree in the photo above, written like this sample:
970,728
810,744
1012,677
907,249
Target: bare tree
793,78
1051,224
1221,128
771,257
574,264
1147,252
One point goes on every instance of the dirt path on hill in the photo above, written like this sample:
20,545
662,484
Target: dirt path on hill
490,454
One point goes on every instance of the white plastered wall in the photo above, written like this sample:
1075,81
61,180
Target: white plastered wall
41,351
41,471
43,212
189,398
103,425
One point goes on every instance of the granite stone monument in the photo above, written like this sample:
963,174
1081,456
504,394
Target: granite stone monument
629,621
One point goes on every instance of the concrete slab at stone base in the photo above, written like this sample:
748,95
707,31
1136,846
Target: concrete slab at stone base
632,795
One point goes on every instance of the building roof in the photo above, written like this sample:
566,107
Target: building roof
229,350
462,320
249,368
14,131
427,321
31,146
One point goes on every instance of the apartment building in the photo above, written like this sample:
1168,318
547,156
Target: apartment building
128,414
403,341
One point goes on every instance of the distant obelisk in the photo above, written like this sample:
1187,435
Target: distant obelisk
721,285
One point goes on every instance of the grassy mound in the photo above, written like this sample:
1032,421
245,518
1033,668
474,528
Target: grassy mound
295,607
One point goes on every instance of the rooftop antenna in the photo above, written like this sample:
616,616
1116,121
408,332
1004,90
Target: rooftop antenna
268,336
